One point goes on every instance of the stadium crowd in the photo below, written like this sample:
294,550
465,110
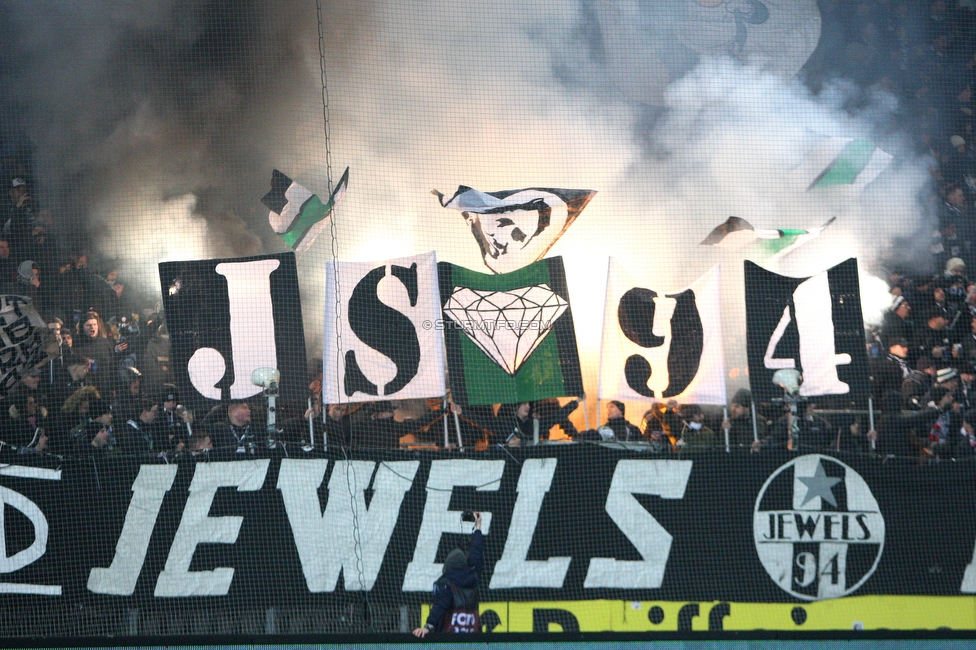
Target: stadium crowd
110,389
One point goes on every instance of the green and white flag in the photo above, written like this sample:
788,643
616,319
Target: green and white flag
764,245
297,215
509,337
836,161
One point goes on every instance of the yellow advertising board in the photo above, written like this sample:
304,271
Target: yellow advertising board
854,613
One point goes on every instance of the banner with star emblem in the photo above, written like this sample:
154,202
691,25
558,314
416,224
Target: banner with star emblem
662,345
834,531
510,338
812,325
689,544
381,340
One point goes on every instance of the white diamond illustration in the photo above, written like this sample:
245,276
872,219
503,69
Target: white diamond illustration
507,325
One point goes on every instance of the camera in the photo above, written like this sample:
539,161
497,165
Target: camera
467,515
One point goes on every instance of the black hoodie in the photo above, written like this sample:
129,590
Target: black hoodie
465,578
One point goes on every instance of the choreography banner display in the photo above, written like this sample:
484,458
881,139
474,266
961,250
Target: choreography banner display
279,531
514,228
382,338
662,345
229,317
813,325
509,337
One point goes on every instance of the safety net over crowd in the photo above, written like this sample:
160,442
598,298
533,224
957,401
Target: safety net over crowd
675,295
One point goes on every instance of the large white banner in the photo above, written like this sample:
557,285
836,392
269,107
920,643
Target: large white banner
662,345
385,342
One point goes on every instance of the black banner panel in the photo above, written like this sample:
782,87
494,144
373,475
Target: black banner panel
812,325
710,541
230,317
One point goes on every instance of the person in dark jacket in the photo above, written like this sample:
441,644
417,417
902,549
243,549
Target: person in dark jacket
889,371
695,435
933,339
918,383
516,420
618,424
138,435
94,343
338,425
814,432
235,435
455,607
898,324
741,431
902,433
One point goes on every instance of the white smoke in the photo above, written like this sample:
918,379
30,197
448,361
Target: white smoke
496,96
469,101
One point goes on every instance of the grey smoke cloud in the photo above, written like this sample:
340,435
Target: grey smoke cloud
637,48
156,123
157,127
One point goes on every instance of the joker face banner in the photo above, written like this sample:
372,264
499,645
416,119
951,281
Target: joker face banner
509,338
517,227
662,345
382,333
812,325
227,318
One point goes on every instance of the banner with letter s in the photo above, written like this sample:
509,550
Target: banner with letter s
383,338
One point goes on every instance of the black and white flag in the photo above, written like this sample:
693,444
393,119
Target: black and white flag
514,228
229,317
386,340
813,325
25,341
297,215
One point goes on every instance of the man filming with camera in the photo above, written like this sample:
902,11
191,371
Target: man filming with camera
455,607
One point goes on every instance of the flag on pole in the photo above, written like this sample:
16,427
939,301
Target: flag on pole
514,228
766,245
297,215
662,345
509,337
